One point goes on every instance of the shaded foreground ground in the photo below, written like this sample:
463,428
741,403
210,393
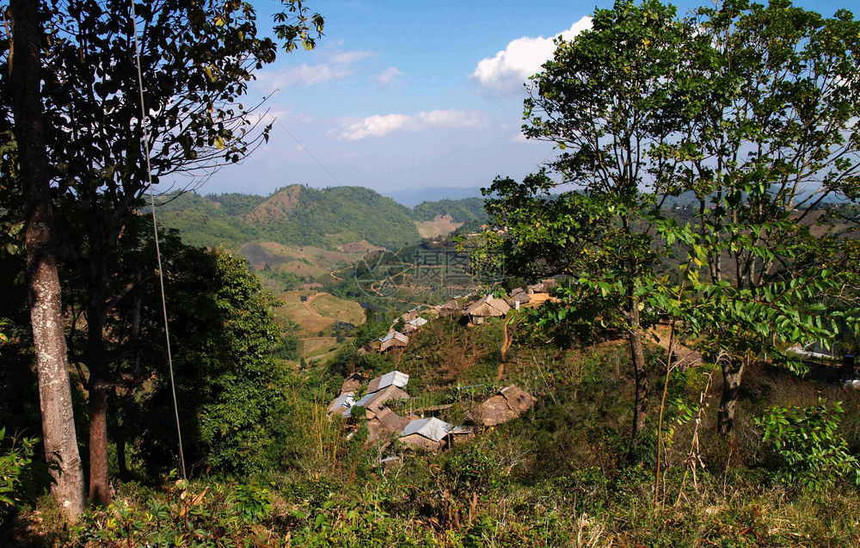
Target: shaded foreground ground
560,475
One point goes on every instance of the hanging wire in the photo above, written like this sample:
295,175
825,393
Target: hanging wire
309,153
145,130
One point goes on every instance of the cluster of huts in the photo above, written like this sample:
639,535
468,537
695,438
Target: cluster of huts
470,312
490,306
412,322
432,433
427,433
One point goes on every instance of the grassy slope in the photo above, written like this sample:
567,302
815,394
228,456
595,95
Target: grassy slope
557,476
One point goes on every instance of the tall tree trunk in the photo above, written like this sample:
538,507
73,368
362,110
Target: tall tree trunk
55,394
637,354
98,388
733,370
99,483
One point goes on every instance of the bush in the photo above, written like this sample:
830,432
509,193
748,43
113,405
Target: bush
14,463
806,441
183,514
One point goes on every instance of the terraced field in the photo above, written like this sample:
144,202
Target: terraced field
316,317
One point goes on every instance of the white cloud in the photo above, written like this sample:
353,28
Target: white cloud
375,126
383,124
451,118
521,58
388,76
337,67
350,57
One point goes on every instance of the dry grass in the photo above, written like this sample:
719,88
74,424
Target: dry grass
442,225
306,261
314,318
340,309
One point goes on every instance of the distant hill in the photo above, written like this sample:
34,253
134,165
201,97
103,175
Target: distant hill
300,234
465,210
411,197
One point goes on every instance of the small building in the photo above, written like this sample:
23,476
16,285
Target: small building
508,404
451,309
342,405
428,434
409,316
374,401
385,424
352,383
391,421
536,288
417,322
488,307
460,434
518,298
394,339
392,378
414,325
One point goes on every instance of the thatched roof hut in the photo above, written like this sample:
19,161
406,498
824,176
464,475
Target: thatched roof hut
488,307
352,383
373,401
508,404
451,309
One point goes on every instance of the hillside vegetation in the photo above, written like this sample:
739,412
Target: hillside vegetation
300,215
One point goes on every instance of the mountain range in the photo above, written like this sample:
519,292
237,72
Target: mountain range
301,215
299,233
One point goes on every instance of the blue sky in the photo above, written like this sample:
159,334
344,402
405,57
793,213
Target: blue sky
408,94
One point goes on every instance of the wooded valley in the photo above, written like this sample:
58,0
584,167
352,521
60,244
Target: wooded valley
649,340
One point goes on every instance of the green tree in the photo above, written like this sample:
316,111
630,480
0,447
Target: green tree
604,100
197,57
227,379
769,107
223,338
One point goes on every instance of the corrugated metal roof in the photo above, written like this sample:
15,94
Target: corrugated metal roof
392,378
342,404
431,428
364,399
417,322
379,397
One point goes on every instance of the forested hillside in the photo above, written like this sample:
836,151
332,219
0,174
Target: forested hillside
650,340
300,215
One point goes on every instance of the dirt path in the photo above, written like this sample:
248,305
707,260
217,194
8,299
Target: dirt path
684,356
313,311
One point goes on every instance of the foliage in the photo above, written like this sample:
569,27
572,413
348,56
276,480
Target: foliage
288,347
185,514
807,442
226,380
14,462
300,215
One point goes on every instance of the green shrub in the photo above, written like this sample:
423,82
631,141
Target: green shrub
14,463
808,445
182,514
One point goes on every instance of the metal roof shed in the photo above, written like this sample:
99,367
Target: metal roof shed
342,404
430,428
392,378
